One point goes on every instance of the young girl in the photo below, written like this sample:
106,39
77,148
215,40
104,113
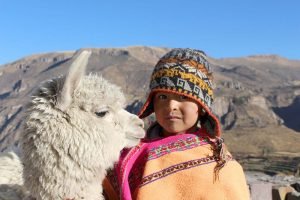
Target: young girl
183,155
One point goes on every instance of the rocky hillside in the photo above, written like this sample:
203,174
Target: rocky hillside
257,97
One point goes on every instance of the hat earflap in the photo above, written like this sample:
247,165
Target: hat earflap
209,124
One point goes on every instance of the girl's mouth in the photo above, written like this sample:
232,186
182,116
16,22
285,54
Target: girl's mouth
172,117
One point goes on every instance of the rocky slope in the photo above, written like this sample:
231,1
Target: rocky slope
257,97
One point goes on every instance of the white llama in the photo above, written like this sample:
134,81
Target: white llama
75,128
11,180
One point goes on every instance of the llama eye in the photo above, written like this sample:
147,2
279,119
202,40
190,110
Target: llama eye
102,113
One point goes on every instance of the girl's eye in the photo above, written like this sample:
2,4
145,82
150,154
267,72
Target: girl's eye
101,113
162,96
183,97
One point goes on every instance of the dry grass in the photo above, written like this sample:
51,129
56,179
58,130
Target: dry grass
273,141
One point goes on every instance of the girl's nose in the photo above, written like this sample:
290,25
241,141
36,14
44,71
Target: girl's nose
173,104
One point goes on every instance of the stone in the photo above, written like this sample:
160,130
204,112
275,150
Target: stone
296,186
293,196
280,193
261,191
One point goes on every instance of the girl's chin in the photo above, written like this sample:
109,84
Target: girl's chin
172,132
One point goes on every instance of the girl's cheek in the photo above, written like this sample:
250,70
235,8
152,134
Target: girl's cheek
192,109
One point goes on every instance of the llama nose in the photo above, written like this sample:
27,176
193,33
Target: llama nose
139,122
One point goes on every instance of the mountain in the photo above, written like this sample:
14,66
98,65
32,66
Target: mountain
257,98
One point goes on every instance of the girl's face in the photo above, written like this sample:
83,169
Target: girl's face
175,113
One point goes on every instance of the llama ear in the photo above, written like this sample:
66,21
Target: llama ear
72,80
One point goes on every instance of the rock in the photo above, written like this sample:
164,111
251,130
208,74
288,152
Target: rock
296,186
280,193
293,196
259,101
297,173
134,107
17,86
221,106
261,191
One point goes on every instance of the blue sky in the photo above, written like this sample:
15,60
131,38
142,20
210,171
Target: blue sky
231,28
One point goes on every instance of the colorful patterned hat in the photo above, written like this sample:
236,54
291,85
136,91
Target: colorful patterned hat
185,72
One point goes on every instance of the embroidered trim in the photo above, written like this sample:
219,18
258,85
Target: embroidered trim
176,168
124,168
124,162
180,145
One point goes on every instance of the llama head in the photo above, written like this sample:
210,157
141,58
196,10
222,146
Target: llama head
99,101
98,107
85,115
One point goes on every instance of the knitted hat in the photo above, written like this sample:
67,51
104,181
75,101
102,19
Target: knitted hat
185,72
